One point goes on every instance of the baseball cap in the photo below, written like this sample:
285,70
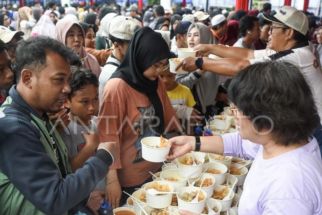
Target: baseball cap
216,20
290,17
201,16
6,34
123,28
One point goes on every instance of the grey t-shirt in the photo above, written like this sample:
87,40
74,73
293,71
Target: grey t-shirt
73,135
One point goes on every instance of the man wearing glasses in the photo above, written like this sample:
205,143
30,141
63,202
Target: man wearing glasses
288,41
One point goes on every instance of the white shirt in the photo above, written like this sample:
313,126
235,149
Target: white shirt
107,71
306,61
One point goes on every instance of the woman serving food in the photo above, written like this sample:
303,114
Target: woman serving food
276,117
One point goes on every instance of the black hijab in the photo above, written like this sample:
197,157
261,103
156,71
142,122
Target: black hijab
145,49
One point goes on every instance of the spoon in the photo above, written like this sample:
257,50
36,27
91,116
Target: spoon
195,200
154,175
155,192
137,201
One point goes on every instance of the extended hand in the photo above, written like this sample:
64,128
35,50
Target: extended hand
181,145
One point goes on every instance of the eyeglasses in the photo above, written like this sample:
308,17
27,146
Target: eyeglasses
276,27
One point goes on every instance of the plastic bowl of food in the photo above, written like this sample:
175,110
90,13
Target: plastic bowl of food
161,199
221,122
240,172
206,182
124,211
219,170
241,161
231,181
214,205
137,200
174,62
224,194
220,158
167,166
190,165
174,177
191,199
186,52
155,149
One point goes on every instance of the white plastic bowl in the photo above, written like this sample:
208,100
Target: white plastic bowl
225,202
220,177
241,161
186,52
195,207
221,122
160,200
243,172
167,166
122,210
151,150
232,181
190,171
215,205
169,174
220,159
174,62
208,189
138,203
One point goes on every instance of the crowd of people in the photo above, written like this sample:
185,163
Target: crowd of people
80,87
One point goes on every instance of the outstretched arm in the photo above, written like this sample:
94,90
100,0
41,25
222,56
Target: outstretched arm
224,66
224,51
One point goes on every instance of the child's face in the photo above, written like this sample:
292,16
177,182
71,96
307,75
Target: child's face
84,103
90,38
168,80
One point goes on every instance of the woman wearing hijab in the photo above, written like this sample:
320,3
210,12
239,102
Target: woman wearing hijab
25,21
70,33
135,105
44,27
203,84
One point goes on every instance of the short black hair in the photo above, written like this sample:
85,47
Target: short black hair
104,11
50,4
85,26
275,95
300,38
267,6
159,10
33,51
247,23
263,22
81,78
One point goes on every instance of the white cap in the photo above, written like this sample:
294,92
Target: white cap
188,17
123,28
216,20
201,16
292,18
6,34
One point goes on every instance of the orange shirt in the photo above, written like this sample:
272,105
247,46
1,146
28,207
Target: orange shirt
123,119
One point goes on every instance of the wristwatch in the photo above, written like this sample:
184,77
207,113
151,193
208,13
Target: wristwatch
199,62
198,144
